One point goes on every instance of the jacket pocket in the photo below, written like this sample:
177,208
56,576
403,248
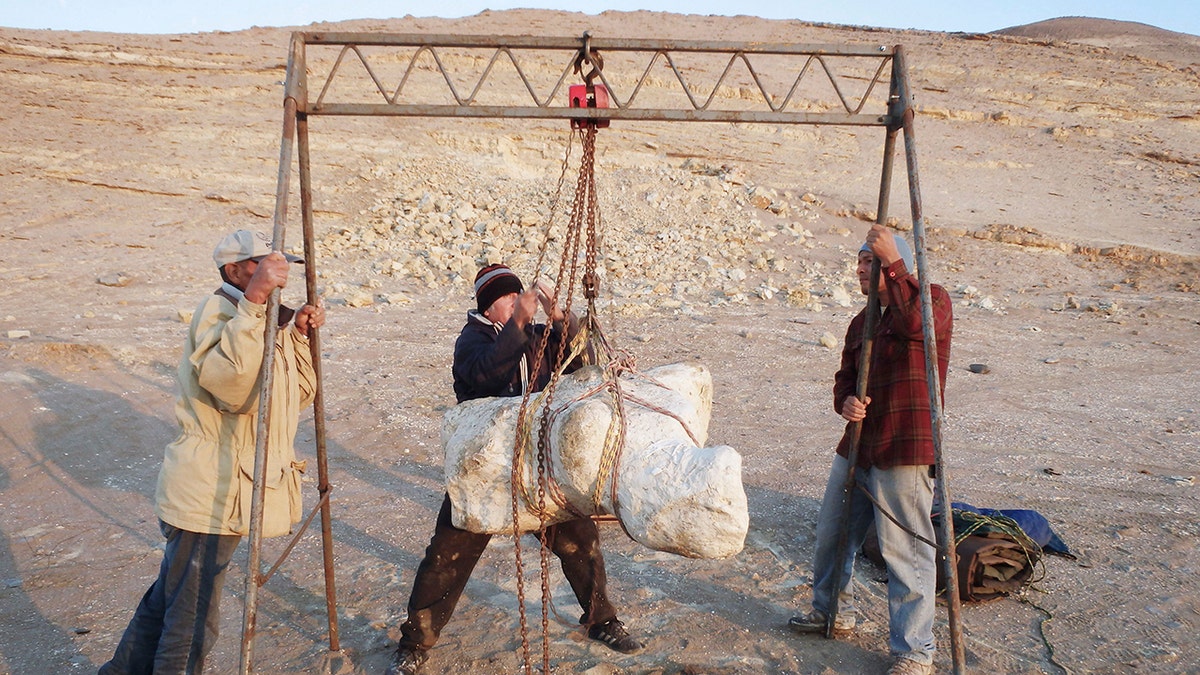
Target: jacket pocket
282,501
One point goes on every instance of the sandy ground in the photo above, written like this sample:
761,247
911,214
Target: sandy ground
1060,176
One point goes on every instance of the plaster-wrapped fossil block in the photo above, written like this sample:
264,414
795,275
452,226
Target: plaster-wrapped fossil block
672,494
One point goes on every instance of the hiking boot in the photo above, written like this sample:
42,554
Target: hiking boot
613,634
406,661
904,666
816,622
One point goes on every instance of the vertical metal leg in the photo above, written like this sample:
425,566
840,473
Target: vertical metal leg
314,343
253,577
950,559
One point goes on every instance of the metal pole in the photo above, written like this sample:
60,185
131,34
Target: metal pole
864,366
950,557
266,376
314,344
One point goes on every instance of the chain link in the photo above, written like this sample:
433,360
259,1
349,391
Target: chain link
582,228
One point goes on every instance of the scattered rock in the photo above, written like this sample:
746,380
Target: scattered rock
439,237
360,299
395,298
116,280
829,341
987,303
840,296
16,377
979,368
18,334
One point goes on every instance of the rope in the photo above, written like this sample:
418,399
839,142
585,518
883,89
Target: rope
976,521
1024,597
562,176
517,480
880,507
614,438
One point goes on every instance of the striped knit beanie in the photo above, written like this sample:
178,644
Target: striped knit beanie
494,282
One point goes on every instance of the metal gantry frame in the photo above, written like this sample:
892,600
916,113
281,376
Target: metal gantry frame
360,53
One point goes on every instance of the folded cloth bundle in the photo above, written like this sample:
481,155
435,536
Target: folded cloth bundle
992,567
995,556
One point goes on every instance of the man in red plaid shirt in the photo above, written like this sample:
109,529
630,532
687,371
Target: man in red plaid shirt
895,461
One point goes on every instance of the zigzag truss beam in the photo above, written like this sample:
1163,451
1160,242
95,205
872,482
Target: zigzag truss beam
821,84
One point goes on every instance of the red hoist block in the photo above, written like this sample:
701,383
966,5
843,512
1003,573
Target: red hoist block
580,97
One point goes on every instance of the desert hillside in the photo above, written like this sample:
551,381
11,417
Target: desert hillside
1059,167
1123,36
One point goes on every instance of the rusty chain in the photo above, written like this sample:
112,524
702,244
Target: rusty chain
568,271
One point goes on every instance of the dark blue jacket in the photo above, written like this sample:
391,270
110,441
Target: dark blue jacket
493,361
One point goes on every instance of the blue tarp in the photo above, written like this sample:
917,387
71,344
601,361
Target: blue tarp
1033,523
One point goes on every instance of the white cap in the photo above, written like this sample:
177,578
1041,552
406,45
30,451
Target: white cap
244,245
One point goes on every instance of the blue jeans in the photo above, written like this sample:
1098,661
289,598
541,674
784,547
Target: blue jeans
907,493
176,623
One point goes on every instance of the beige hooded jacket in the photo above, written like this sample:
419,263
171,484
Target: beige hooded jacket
206,480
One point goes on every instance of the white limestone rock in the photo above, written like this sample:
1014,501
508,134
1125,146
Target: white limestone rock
672,495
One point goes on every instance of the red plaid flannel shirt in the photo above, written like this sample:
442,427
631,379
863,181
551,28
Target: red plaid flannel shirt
897,430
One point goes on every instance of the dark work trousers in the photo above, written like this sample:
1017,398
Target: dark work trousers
453,553
176,623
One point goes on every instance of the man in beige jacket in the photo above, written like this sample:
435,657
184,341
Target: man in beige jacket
206,481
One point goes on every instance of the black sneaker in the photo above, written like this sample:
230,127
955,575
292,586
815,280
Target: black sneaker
406,661
613,634
816,622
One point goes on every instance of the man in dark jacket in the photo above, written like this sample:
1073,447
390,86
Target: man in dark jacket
493,357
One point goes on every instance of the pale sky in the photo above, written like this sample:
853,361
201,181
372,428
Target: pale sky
192,16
